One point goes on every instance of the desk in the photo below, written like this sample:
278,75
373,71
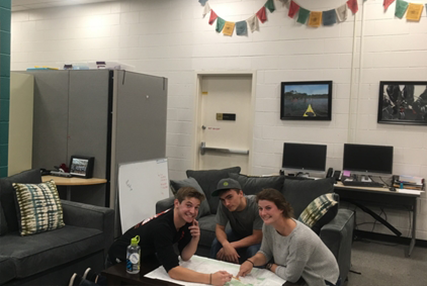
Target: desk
381,197
69,182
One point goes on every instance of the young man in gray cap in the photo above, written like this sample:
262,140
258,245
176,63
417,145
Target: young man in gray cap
244,238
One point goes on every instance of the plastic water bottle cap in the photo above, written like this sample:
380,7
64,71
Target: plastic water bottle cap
135,240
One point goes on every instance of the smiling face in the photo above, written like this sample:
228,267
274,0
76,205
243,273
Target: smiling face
269,212
232,199
188,209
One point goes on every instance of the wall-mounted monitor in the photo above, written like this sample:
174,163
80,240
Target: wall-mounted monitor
304,157
368,158
306,100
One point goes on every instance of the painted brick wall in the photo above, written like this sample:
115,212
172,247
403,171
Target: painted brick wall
170,38
4,84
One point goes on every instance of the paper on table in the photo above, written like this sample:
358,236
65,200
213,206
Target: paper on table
407,191
258,277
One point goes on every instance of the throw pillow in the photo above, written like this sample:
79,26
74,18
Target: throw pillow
319,212
299,193
208,180
252,185
39,207
191,182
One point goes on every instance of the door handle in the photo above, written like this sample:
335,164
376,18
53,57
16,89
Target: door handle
203,150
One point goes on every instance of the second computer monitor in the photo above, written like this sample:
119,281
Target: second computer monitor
304,157
368,158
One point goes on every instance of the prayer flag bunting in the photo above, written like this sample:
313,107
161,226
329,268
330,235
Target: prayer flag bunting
329,17
387,3
262,14
352,5
213,17
414,12
253,23
219,24
401,7
270,6
241,28
293,9
206,10
315,19
228,28
203,2
303,15
342,13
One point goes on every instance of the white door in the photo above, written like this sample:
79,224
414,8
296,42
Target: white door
224,121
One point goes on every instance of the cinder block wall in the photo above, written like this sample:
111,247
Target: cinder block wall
170,38
4,84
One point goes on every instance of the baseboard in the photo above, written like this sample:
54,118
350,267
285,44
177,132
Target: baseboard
388,238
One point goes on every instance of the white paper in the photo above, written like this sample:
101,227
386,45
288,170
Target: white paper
407,191
258,277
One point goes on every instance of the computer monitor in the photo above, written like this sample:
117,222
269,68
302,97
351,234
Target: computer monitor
304,157
368,158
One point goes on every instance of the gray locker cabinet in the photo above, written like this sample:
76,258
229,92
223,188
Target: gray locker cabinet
115,116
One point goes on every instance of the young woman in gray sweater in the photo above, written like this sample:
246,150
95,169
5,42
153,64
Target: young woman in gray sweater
296,253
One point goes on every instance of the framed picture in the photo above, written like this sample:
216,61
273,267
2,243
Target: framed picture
306,100
403,102
81,166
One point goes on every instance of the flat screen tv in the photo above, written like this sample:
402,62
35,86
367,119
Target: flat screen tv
368,158
306,100
304,157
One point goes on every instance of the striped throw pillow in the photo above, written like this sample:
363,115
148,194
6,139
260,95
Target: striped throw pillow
319,212
39,207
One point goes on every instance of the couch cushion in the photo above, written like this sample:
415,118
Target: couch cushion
207,226
7,194
3,222
299,193
208,180
319,212
37,253
7,269
39,207
191,182
252,185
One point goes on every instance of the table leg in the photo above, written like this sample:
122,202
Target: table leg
68,193
414,227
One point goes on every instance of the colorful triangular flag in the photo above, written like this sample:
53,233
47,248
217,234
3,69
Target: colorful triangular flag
401,7
262,14
342,13
253,23
203,2
213,17
293,9
387,3
352,5
315,19
219,24
303,15
270,6
228,28
329,17
414,12
206,10
241,28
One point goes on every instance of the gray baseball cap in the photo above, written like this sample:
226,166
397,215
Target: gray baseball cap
226,184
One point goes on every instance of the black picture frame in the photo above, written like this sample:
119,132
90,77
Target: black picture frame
403,102
306,100
81,166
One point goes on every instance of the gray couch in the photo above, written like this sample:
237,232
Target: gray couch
50,258
336,234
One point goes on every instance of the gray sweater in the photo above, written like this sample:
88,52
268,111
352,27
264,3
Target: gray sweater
300,254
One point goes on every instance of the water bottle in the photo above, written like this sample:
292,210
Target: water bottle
133,255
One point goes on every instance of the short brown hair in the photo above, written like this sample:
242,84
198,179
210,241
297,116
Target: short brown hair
278,199
188,192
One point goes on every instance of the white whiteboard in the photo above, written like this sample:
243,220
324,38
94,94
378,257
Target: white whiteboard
141,185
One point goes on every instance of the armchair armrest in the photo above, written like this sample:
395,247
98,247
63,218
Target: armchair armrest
164,204
90,216
338,237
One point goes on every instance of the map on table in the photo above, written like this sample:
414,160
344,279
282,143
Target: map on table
257,277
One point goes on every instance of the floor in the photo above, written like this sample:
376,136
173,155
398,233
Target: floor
385,264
